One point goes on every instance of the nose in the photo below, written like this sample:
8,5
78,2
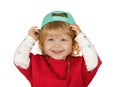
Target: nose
56,44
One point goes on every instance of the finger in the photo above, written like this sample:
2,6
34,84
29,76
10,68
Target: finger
34,27
37,31
74,26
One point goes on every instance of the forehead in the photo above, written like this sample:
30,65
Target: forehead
57,34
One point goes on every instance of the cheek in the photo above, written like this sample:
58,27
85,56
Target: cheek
69,46
46,46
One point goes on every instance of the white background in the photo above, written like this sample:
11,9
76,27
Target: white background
98,19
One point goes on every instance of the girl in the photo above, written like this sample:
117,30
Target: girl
59,64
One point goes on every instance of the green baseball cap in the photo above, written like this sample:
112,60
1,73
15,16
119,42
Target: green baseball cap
49,18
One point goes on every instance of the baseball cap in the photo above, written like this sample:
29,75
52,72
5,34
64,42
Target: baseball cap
49,18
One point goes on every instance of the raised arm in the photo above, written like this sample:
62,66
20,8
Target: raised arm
21,56
88,49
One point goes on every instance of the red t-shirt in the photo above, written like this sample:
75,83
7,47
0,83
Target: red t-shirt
47,72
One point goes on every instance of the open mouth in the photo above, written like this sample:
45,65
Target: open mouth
57,51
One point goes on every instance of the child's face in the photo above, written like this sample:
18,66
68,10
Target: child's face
58,45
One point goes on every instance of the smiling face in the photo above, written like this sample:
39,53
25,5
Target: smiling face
57,45
57,40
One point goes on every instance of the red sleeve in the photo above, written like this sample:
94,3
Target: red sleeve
88,76
26,72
